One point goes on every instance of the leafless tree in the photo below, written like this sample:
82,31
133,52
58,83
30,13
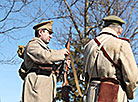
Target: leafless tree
15,16
85,19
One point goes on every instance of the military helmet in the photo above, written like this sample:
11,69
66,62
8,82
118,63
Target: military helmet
112,19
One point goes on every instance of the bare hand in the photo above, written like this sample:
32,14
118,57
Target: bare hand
68,63
65,51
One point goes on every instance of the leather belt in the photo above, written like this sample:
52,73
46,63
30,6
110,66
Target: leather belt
95,79
39,71
46,68
112,80
104,79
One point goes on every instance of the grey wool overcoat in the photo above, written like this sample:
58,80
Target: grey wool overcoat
97,65
39,88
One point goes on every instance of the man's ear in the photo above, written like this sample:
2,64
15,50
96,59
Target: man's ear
39,33
121,30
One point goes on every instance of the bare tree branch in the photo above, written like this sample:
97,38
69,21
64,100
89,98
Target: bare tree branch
25,3
73,20
74,3
86,19
8,12
130,14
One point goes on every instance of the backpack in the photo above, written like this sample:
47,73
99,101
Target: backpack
22,70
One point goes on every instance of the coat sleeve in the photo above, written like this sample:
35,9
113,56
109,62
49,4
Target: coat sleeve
40,55
129,69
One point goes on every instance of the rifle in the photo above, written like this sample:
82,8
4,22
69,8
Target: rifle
65,86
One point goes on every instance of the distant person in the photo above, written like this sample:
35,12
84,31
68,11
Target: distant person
39,60
110,65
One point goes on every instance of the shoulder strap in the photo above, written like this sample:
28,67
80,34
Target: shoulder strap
106,54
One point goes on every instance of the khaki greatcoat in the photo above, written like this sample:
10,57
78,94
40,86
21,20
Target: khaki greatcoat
39,88
97,65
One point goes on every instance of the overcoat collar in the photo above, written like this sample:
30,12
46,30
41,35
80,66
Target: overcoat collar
109,30
41,42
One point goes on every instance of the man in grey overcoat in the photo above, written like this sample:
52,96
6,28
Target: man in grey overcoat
39,59
98,67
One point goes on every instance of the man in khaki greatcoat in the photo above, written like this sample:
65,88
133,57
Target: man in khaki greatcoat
40,82
98,67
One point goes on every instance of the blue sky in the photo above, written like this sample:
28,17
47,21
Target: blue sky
10,87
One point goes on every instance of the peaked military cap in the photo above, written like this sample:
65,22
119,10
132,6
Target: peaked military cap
114,20
44,25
